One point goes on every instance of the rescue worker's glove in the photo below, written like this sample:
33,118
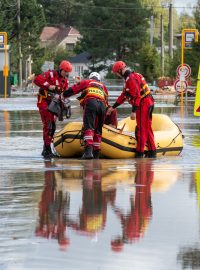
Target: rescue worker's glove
67,108
66,104
133,116
58,90
68,93
54,89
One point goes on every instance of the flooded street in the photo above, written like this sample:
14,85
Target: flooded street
97,214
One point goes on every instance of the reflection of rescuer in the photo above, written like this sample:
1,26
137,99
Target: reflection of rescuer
137,93
94,99
92,215
52,83
52,211
134,224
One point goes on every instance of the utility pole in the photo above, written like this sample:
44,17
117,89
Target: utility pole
151,30
170,32
19,43
162,44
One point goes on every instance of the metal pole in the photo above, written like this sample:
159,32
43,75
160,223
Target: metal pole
151,30
170,32
182,61
162,44
5,66
19,43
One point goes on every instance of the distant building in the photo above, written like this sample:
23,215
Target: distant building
80,64
60,37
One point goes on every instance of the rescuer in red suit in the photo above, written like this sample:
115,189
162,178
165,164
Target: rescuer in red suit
52,211
135,223
51,83
137,93
94,99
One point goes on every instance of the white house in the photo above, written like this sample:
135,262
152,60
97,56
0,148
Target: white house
60,37
80,64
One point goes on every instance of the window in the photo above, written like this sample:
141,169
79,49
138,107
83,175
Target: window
69,46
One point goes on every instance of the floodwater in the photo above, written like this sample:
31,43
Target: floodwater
103,214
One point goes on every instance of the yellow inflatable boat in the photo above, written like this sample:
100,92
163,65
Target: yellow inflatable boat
121,142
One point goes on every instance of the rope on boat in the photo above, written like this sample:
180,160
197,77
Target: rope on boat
65,140
173,140
75,136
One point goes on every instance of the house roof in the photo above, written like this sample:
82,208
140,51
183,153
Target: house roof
52,33
80,58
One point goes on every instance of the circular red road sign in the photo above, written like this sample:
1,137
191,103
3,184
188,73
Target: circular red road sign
184,70
178,87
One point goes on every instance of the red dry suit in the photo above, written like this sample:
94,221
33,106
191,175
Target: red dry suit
52,211
51,77
94,99
135,222
137,93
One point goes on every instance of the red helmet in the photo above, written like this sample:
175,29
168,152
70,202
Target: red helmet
66,66
118,66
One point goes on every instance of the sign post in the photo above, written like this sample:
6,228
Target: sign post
180,86
3,44
197,98
183,72
188,36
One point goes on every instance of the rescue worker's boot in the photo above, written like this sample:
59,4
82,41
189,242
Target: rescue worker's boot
96,154
47,152
43,151
88,153
139,154
151,154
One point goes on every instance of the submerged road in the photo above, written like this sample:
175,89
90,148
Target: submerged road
106,214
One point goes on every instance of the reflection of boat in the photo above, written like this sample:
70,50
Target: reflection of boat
80,195
121,142
115,174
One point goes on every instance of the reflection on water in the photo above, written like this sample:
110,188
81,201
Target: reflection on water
189,256
98,185
53,209
135,222
102,214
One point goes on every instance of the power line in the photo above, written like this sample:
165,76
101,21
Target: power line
127,8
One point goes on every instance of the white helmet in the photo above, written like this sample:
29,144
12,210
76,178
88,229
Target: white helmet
95,75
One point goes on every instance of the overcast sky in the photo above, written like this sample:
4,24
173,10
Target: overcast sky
184,3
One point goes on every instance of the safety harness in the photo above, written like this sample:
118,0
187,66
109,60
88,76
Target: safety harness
44,93
142,86
96,90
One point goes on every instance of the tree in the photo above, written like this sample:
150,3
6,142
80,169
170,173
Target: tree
29,28
149,62
112,29
60,11
197,15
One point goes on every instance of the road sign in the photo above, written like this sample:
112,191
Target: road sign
180,86
184,70
190,36
197,98
198,110
2,40
3,45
